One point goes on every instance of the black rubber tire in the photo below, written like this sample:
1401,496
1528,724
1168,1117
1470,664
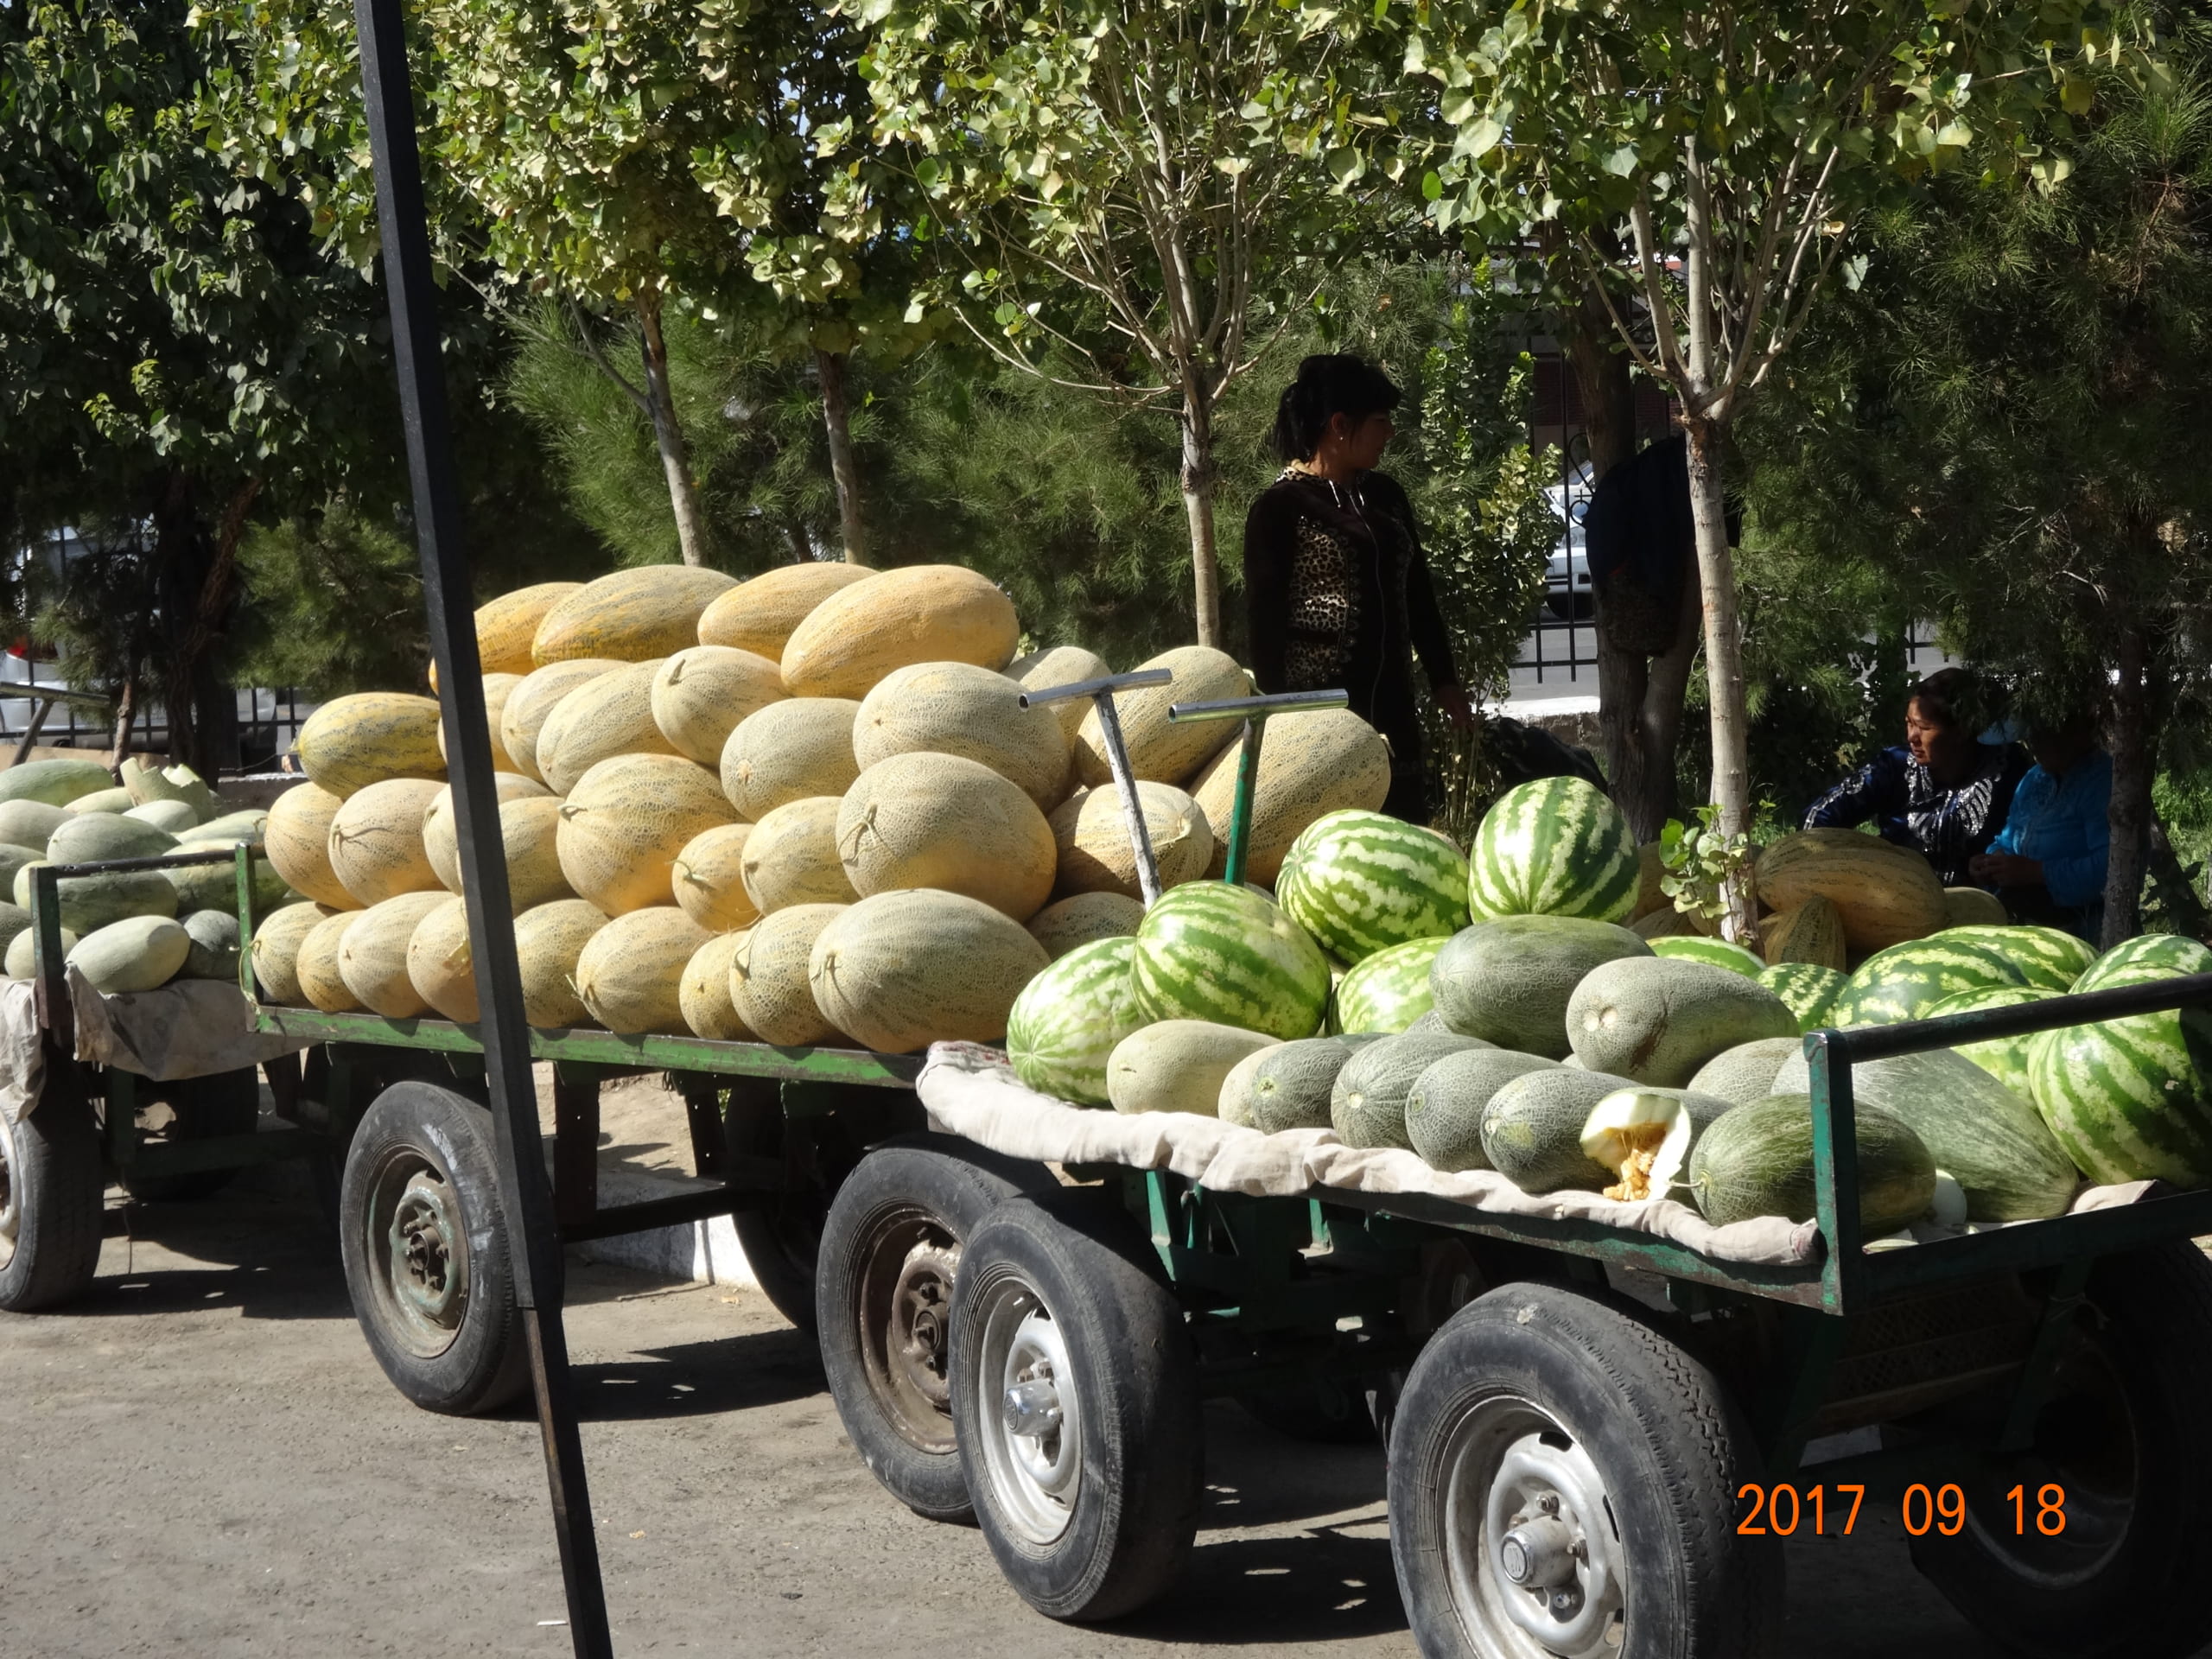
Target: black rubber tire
2128,1417
54,1194
1328,1411
1127,1534
884,1312
1660,1433
226,1103
430,1149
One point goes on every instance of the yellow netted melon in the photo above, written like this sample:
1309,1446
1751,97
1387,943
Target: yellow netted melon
631,974
1055,665
635,616
625,821
699,694
1092,834
297,837
441,966
376,840
919,614
314,965
1973,908
789,751
441,832
1884,893
1311,763
792,857
547,942
1813,932
945,820
528,830
354,741
901,970
709,879
497,688
276,950
1165,752
759,615
768,984
959,709
1084,919
609,716
506,626
703,995
372,955
531,704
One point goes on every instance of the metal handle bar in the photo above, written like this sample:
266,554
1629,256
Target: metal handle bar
1092,687
159,862
1275,702
1862,1043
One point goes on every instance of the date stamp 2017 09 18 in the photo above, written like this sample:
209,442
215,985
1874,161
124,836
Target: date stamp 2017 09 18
1782,1509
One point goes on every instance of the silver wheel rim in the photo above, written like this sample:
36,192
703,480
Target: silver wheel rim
1030,1415
1532,1554
11,1213
416,1242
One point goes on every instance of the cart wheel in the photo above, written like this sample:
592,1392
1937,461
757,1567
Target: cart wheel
890,1250
228,1102
425,1245
1331,1411
2123,1437
52,1193
1075,1401
1556,1464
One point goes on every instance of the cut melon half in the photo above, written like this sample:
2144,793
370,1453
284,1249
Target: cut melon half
1644,1136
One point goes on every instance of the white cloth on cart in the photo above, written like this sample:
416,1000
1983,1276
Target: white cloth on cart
969,1090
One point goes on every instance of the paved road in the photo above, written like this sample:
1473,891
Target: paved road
202,1460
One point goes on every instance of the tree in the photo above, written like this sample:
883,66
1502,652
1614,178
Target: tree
1704,168
1127,192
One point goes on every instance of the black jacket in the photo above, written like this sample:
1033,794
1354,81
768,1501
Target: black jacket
1338,591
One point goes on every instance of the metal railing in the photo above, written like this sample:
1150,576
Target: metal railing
37,706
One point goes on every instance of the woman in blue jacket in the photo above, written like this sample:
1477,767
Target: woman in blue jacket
2048,863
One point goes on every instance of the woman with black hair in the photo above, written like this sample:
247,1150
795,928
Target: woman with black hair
1336,584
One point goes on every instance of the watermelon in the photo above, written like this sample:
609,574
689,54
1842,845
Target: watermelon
1554,847
1811,992
1360,882
1719,952
2004,1058
1389,990
2044,956
1758,1160
1067,1020
2132,1099
1209,951
1507,980
1905,980
1989,1139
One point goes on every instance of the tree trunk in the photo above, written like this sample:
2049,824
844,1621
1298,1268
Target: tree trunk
830,368
197,588
1724,659
795,538
126,715
2128,740
1198,506
668,432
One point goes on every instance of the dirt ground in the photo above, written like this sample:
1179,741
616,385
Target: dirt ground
201,1459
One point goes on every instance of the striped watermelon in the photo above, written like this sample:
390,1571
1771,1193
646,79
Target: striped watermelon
2004,1058
1067,1020
1719,952
1905,980
1361,882
2132,1099
2045,955
1207,951
1810,991
1555,846
1389,990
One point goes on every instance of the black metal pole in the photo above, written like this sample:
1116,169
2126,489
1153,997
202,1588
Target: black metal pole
533,1245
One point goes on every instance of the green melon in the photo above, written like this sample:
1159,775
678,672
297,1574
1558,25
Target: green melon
1746,1072
1367,1107
1758,1160
138,953
1067,1020
1389,990
2004,1058
1177,1065
1986,1138
54,782
1905,980
1210,952
1360,882
1289,1086
1507,980
2044,956
1554,847
1445,1107
214,950
1811,992
1532,1128
1719,952
1657,1021
22,957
